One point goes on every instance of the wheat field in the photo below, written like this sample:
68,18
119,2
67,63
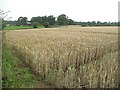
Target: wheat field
71,56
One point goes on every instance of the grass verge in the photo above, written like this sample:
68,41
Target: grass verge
14,73
20,27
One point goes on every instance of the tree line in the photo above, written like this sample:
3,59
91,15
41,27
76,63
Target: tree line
46,21
50,21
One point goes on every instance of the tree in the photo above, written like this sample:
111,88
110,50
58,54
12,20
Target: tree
98,23
93,23
35,24
3,18
46,24
70,21
36,19
62,19
51,19
44,20
22,21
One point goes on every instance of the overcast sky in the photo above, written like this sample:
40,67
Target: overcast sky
78,10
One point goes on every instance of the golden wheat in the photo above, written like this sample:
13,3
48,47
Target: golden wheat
69,56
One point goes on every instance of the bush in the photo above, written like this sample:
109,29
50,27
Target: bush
84,25
46,24
35,24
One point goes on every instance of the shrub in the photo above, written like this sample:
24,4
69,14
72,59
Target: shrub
35,24
46,24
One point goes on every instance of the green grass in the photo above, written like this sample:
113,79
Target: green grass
20,27
14,73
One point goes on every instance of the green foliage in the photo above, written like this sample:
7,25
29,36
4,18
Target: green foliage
35,24
17,27
51,20
46,24
70,22
35,19
14,74
3,17
22,21
44,20
3,24
62,19
83,24
98,23
20,27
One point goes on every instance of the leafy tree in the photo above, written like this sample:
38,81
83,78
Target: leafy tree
98,23
44,20
36,19
70,22
22,21
46,24
62,19
40,19
51,19
93,23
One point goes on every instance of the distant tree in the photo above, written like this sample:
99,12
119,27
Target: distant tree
93,23
70,21
118,23
3,23
36,19
51,19
62,19
88,23
84,24
22,21
98,23
46,24
43,19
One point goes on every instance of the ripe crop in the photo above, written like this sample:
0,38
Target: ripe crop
69,57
